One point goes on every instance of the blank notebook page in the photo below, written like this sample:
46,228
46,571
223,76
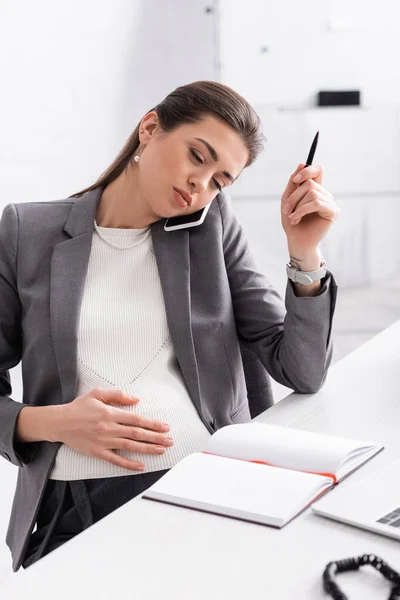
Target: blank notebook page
238,487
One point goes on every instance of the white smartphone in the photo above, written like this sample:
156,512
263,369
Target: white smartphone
185,221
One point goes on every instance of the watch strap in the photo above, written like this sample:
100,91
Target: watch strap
306,277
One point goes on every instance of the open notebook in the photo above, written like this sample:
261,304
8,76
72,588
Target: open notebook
261,473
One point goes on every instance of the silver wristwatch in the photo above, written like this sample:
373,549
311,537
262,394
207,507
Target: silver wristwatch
306,277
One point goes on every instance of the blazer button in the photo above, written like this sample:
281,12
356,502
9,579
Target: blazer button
7,456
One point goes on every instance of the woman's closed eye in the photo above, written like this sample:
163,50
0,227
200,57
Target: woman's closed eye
199,160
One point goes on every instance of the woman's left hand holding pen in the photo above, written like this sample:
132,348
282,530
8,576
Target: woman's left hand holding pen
308,211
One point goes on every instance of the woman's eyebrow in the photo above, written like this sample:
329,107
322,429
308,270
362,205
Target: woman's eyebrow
214,156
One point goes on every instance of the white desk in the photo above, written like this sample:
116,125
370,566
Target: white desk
148,550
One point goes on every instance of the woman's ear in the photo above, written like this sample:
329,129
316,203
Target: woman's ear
148,127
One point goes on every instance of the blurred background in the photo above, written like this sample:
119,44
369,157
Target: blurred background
77,76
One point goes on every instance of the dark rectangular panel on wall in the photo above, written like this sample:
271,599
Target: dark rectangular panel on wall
339,98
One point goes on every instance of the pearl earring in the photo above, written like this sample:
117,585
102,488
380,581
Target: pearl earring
137,157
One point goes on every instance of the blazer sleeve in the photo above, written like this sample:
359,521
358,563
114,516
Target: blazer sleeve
10,341
294,341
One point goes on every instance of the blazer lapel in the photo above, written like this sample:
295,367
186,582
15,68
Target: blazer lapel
68,273
172,253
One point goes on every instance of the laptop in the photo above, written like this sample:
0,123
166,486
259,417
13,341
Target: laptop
372,503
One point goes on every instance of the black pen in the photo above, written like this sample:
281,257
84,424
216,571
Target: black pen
310,156
313,148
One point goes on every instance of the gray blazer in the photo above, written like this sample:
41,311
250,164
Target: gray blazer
225,320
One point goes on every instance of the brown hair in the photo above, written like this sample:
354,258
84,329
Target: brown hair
188,104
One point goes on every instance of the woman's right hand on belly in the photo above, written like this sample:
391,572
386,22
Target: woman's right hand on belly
93,425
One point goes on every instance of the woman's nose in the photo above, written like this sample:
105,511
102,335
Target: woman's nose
198,184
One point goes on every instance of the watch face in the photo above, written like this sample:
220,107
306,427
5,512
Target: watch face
303,278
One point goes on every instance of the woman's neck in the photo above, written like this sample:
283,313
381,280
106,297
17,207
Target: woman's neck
121,204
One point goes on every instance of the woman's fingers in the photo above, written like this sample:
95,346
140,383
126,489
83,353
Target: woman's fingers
127,418
314,172
309,196
119,461
301,193
325,210
142,435
138,447
113,396
291,186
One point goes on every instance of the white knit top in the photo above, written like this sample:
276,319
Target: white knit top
124,343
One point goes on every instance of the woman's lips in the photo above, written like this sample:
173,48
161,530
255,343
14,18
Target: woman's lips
180,199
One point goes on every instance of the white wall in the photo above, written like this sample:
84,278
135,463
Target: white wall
312,45
76,77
